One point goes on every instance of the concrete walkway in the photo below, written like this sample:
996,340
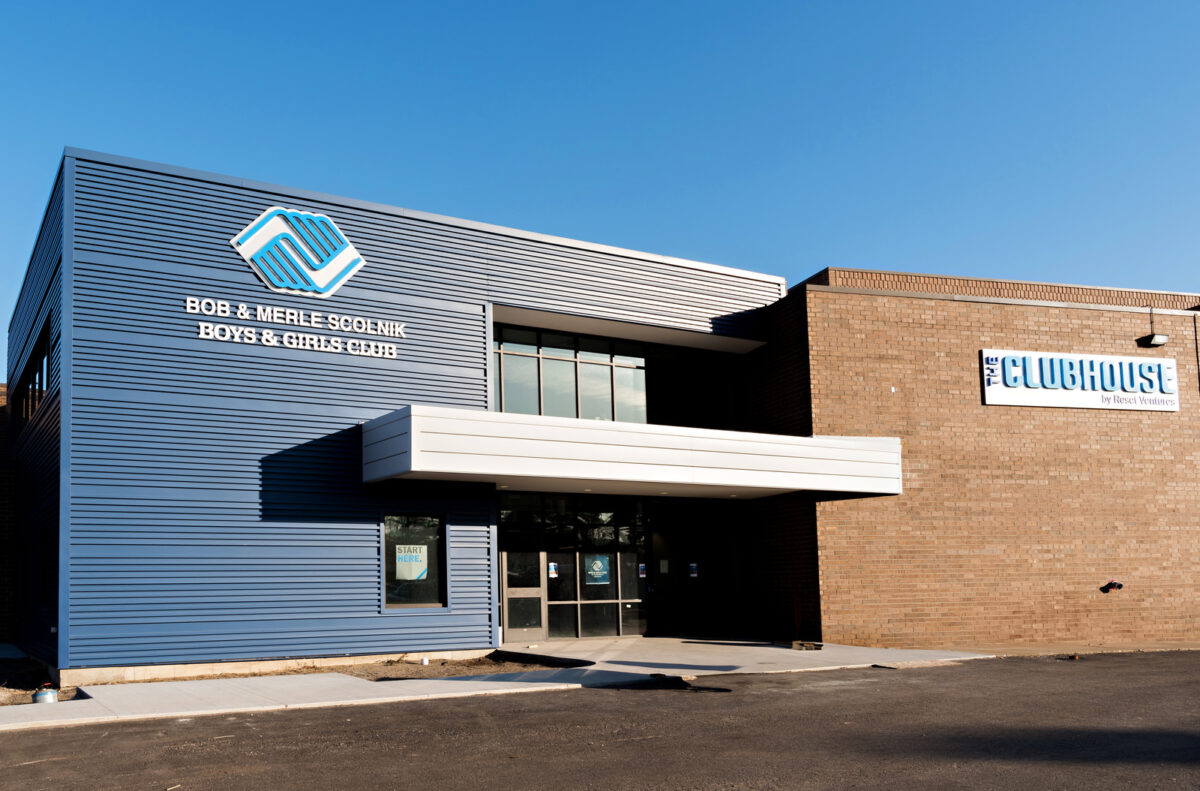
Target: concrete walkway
614,662
682,657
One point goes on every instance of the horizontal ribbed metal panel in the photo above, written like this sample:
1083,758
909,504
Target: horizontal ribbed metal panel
190,220
41,292
217,510
36,446
537,453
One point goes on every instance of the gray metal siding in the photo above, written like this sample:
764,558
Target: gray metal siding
216,504
36,446
41,291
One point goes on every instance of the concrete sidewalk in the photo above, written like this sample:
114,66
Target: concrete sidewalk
694,657
614,662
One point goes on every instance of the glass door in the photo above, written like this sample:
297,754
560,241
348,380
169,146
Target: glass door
524,595
572,566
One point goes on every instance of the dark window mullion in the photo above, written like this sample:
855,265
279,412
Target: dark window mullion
499,373
617,558
612,383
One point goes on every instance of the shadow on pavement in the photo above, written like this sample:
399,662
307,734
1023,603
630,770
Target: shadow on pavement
1067,745
663,683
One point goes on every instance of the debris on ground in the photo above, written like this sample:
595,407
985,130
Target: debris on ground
20,678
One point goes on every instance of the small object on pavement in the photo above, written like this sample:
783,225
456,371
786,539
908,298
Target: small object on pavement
1111,585
424,660
47,694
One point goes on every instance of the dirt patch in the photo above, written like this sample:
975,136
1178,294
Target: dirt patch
495,662
20,678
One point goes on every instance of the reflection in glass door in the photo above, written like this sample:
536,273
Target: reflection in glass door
561,593
524,595
592,556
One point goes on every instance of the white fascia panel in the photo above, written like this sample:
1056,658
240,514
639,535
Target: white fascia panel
531,452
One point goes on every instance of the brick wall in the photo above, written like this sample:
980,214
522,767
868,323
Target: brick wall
1002,289
1011,517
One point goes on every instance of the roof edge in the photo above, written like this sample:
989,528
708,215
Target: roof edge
384,208
828,269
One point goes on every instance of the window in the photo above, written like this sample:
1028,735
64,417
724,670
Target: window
34,383
561,375
414,561
594,552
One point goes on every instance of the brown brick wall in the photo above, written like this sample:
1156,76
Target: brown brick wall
1011,517
1001,289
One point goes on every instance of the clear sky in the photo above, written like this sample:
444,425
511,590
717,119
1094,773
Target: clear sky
1055,141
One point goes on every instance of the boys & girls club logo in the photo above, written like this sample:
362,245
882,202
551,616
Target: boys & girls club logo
298,252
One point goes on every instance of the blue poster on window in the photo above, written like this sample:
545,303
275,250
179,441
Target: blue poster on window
595,569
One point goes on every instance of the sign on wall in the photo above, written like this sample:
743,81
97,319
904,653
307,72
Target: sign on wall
298,252
596,569
412,561
1080,381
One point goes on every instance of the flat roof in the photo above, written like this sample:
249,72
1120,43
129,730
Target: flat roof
1052,284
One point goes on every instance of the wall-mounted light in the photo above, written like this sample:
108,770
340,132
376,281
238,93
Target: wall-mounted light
1154,339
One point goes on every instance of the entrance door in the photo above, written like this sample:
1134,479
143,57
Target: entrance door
524,595
572,566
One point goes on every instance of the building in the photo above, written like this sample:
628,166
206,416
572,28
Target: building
259,423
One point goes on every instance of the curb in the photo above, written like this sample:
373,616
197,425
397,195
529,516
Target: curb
115,718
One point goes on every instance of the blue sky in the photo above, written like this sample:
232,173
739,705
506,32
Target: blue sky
1055,141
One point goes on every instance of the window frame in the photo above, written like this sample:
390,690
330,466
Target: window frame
614,362
445,587
33,385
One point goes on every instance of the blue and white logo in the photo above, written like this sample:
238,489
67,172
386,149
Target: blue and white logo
298,252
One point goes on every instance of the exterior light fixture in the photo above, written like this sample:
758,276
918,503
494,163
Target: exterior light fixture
1154,339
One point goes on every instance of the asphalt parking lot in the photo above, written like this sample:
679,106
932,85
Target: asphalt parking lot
1104,721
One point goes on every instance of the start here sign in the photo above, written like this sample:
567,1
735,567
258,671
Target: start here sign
412,561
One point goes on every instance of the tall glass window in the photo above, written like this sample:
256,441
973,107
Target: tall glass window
414,561
561,375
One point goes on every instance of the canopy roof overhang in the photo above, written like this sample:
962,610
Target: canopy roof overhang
551,454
